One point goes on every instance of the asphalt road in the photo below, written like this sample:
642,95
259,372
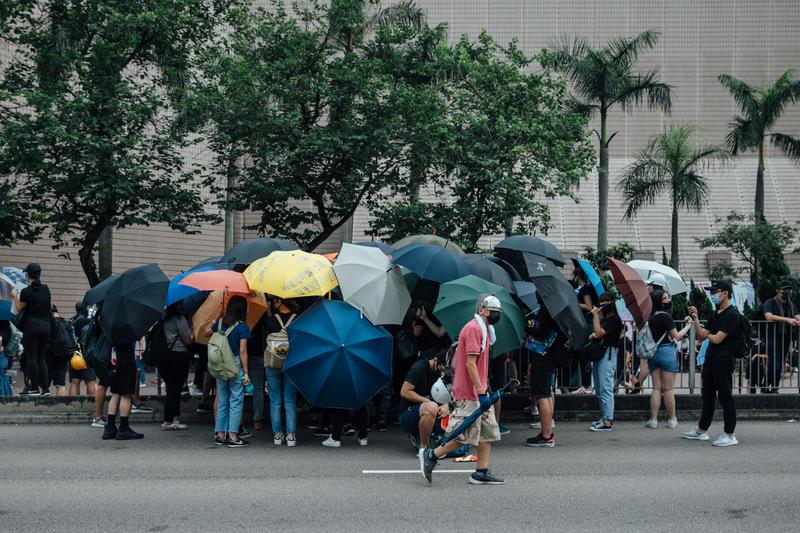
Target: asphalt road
65,478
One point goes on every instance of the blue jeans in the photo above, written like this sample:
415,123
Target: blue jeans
140,368
603,373
5,382
230,399
282,395
257,377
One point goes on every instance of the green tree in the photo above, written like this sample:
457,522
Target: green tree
673,165
760,109
89,136
603,78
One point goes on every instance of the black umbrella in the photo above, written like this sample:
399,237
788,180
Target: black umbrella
530,244
526,293
248,251
133,303
97,293
485,268
505,265
214,263
559,298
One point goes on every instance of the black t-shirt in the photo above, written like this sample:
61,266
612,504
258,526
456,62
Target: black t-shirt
661,323
271,324
37,302
780,309
587,290
612,325
423,378
727,321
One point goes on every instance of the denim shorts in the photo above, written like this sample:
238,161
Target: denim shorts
665,358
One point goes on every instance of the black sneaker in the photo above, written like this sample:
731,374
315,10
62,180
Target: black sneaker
244,433
349,430
428,465
128,434
238,443
540,442
110,432
381,426
322,431
30,392
47,393
485,478
203,408
218,441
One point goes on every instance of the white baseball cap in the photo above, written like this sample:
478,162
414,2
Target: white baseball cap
491,301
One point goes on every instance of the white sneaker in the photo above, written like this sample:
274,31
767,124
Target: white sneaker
421,457
538,425
291,441
362,442
330,443
652,424
694,435
277,439
725,440
173,426
672,423
99,422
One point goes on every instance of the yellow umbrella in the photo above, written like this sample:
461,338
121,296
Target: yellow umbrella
292,274
212,309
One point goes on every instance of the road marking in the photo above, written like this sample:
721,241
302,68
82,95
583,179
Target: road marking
416,472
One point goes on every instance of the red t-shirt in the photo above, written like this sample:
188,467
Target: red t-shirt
469,342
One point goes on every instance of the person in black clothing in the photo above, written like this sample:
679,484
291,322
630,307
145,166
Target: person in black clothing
608,330
173,367
56,366
587,299
418,412
122,389
717,370
783,318
35,302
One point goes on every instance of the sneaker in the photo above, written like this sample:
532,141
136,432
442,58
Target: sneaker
600,426
218,441
238,443
243,433
173,426
672,423
128,434
504,430
538,425
30,392
652,424
331,443
421,457
47,393
429,462
362,442
381,426
291,441
141,408
694,435
185,391
725,440
484,478
314,426
540,442
99,422
277,439
349,430
110,432
322,431
203,408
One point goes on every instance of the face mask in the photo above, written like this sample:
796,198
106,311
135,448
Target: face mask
716,299
494,317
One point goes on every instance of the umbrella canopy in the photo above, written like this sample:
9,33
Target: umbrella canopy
215,305
633,290
336,357
249,250
7,286
508,267
133,303
17,277
432,263
211,263
97,293
5,311
177,291
673,280
409,277
456,307
526,293
591,275
558,297
433,240
530,244
371,283
216,280
387,249
485,268
292,274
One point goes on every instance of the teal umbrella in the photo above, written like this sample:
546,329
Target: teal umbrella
456,306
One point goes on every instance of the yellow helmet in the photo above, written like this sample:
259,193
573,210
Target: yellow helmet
77,362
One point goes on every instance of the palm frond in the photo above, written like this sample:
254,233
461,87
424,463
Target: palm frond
643,181
691,191
641,87
788,144
405,14
743,135
743,94
784,92
566,50
625,52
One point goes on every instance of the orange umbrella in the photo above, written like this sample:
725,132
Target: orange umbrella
331,257
214,307
217,280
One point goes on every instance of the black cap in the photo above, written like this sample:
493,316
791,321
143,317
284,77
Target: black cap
785,284
33,269
722,285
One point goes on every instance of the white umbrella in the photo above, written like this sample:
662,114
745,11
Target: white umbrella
672,281
371,283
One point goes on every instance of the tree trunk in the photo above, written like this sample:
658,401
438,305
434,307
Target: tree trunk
509,226
86,254
674,254
602,187
105,253
760,181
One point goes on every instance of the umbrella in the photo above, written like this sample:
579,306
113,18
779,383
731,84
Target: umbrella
211,263
673,280
432,263
456,307
215,304
133,303
387,249
336,357
216,280
292,274
5,311
505,265
177,291
432,240
17,277
477,413
485,268
526,292
530,244
633,290
371,283
591,275
97,293
249,250
558,297
7,286
409,277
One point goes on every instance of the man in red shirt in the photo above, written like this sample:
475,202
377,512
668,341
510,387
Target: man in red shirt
470,391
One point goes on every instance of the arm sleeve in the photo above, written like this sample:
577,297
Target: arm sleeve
24,295
771,307
472,341
244,331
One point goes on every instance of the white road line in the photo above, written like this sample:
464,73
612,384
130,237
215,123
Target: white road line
415,472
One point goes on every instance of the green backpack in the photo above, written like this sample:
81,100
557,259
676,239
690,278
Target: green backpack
221,363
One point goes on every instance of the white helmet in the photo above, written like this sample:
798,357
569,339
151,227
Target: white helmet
440,393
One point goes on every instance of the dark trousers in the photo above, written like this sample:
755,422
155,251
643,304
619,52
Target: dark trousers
174,370
35,338
777,353
359,419
718,383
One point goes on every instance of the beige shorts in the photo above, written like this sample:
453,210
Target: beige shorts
485,429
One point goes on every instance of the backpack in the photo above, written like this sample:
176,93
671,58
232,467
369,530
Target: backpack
276,345
646,346
62,341
97,350
13,345
156,344
221,363
405,346
742,342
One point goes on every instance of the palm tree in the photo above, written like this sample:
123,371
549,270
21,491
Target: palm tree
761,107
604,77
671,164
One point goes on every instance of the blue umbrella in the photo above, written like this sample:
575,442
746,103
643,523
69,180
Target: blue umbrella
177,292
5,311
432,263
591,275
17,276
337,358
476,414
212,263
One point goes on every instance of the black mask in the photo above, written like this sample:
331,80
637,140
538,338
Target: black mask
494,317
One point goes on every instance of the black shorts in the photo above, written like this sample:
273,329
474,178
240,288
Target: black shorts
57,371
497,372
541,377
126,372
87,374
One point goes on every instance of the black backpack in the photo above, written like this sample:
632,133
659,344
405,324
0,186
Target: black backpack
742,343
62,341
156,348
